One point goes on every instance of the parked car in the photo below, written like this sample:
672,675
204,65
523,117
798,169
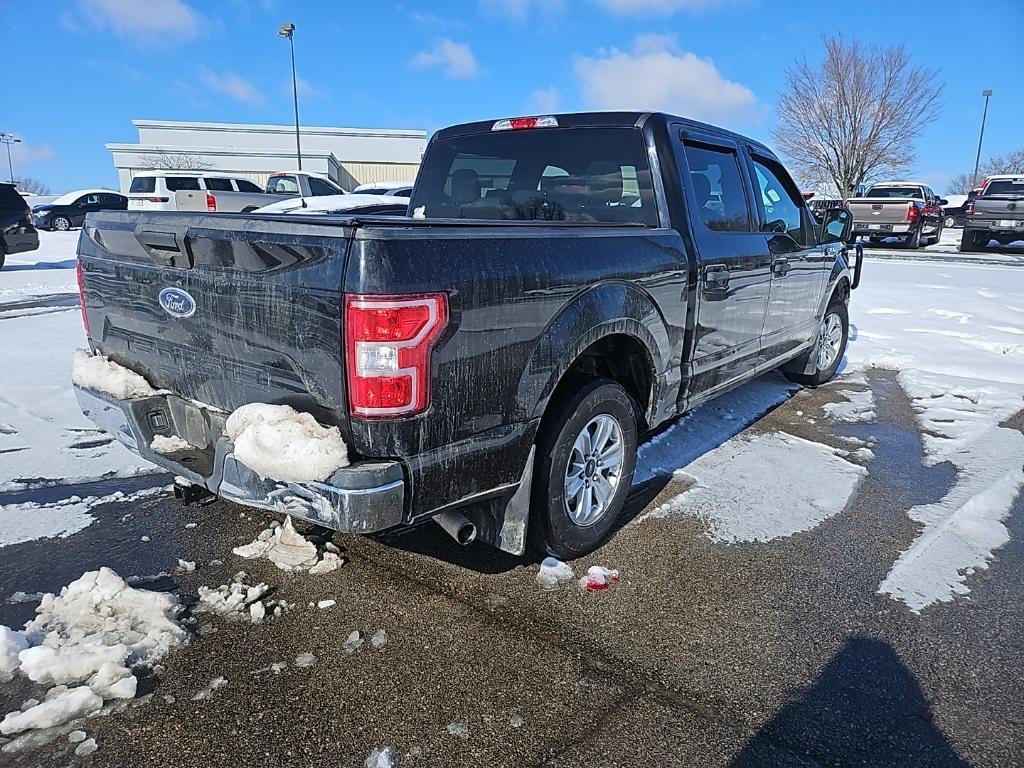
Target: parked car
909,210
17,233
69,210
392,188
356,202
564,285
997,213
954,211
155,190
302,184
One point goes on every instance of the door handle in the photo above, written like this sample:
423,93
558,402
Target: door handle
716,277
780,267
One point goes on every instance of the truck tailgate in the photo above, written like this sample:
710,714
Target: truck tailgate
879,210
221,309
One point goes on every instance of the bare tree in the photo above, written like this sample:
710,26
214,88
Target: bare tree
963,183
177,161
855,117
33,186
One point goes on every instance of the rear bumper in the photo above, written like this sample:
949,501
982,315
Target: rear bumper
361,498
995,225
21,242
877,229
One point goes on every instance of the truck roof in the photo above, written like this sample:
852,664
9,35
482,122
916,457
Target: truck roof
1005,176
898,184
604,119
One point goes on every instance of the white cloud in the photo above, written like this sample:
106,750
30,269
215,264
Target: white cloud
545,100
657,7
306,89
231,85
30,154
519,10
456,59
656,75
166,19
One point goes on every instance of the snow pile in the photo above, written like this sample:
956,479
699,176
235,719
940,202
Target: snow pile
238,599
963,369
291,551
858,406
280,443
553,572
799,484
91,634
598,579
169,444
103,374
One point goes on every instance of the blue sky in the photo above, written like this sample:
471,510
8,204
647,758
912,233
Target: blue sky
86,68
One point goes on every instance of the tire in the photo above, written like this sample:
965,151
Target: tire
969,241
934,239
60,224
913,241
826,362
949,222
562,528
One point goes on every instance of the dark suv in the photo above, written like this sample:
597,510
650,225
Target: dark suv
16,231
69,210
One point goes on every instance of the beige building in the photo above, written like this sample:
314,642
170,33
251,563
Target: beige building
350,156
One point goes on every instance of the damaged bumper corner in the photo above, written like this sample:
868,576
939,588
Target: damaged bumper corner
360,498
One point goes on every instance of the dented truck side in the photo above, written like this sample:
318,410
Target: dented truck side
571,305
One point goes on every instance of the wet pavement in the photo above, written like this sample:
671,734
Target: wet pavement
774,653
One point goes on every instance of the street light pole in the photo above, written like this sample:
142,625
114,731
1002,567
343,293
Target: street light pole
8,139
288,30
977,159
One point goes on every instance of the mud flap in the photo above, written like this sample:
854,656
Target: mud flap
502,521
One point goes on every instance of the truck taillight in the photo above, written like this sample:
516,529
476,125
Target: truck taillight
388,342
211,202
81,296
912,213
524,123
969,210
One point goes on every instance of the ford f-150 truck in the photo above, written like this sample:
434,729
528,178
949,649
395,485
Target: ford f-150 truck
562,285
996,213
909,210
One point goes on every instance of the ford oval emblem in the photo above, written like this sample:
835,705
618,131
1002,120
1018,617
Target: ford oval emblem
177,303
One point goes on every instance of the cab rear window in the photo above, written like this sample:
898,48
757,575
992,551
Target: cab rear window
143,185
582,175
1013,187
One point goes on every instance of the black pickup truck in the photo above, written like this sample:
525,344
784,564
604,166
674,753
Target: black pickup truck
562,285
996,213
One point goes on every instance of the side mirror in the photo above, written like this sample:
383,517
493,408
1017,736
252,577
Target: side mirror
836,226
943,201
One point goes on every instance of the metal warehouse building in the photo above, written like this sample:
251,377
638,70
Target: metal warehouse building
350,156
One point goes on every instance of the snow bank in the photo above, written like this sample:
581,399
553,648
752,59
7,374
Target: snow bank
103,374
553,572
291,551
280,443
764,487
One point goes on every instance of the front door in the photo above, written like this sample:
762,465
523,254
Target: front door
734,264
797,262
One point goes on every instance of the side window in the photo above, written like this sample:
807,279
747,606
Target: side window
319,187
718,188
217,184
782,212
176,183
92,199
247,186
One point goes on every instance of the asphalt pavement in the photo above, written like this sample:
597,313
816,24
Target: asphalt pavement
705,654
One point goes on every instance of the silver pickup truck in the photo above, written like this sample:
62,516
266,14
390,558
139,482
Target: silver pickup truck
997,213
909,210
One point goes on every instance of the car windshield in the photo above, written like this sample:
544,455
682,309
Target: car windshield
582,175
143,184
899,193
1005,187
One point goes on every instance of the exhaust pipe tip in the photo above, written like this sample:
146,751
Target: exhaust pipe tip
458,526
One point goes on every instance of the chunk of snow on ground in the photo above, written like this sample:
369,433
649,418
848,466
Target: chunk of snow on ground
290,551
238,599
69,705
185,566
25,597
69,663
381,757
211,688
12,642
30,520
305,660
169,444
76,736
763,487
553,572
87,747
459,730
598,578
95,371
280,443
886,311
353,642
858,406
379,639
516,720
324,604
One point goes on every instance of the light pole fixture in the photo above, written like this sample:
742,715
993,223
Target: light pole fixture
287,30
8,139
987,93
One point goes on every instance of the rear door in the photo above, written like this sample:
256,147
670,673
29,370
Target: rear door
734,264
797,261
84,205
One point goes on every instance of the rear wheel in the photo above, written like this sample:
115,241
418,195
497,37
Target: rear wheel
586,454
828,351
969,241
914,240
949,222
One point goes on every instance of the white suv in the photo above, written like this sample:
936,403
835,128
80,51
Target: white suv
154,190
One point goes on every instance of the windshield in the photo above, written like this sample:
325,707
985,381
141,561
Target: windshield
580,175
899,193
1011,187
